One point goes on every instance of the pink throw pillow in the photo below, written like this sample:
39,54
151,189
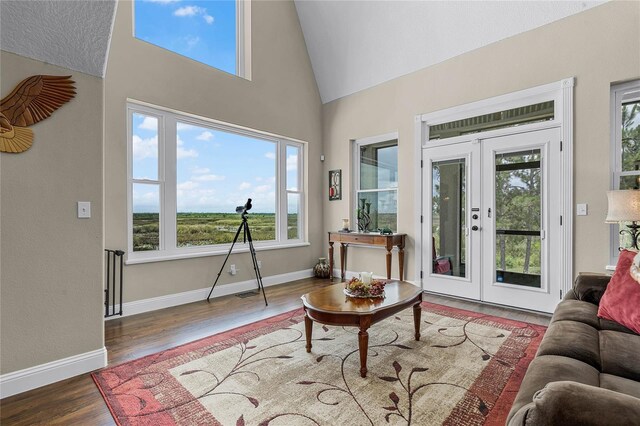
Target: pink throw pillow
621,299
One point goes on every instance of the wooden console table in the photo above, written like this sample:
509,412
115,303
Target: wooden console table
388,241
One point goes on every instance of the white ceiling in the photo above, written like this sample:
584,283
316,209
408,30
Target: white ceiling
72,34
354,45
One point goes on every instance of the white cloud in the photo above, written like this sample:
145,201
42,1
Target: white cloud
163,1
191,41
186,186
189,11
208,19
209,178
243,186
292,162
201,170
149,123
270,155
205,136
145,148
185,153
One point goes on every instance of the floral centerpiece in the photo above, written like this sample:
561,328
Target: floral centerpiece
357,288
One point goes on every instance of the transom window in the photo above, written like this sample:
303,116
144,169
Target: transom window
187,175
376,183
211,32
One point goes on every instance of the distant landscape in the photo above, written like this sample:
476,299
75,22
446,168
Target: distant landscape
202,229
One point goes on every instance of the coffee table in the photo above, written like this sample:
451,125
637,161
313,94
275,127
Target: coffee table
329,305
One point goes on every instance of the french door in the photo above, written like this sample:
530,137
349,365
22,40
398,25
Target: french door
493,219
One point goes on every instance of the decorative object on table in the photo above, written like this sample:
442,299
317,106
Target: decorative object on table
321,270
357,287
385,231
335,185
345,225
364,215
440,366
635,268
624,206
34,99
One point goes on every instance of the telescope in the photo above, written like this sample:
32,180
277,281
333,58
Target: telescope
244,209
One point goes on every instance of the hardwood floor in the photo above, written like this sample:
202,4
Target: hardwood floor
77,401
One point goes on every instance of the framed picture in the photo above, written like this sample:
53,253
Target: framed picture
335,185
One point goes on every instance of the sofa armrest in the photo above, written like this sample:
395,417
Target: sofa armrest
589,287
573,403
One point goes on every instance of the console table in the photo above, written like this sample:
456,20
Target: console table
388,241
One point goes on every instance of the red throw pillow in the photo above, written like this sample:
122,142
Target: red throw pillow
621,299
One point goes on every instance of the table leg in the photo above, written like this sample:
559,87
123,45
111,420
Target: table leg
331,260
363,343
308,329
417,312
342,260
388,264
401,261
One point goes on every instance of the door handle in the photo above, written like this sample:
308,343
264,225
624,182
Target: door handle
474,228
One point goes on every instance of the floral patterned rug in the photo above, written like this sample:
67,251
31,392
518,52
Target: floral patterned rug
466,370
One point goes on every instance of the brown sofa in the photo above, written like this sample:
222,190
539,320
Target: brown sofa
586,371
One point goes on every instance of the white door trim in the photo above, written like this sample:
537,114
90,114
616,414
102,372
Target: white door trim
561,92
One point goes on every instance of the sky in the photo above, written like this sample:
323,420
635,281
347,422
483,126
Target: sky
201,30
216,171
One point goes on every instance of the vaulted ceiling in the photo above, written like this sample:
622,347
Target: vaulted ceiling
353,45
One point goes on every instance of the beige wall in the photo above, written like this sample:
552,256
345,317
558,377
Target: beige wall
50,261
598,47
281,98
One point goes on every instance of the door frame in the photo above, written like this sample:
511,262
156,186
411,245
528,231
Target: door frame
561,92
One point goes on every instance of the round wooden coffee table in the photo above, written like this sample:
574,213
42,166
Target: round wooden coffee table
329,305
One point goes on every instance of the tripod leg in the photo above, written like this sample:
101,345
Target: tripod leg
252,250
225,260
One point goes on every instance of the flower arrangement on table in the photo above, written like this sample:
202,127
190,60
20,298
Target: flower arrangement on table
356,287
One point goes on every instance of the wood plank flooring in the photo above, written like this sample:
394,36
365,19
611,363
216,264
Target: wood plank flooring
77,401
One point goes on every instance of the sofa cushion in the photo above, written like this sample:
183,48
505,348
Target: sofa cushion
549,368
622,297
577,310
620,384
572,339
606,324
619,354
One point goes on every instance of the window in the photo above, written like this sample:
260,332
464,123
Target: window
625,142
187,175
211,32
376,183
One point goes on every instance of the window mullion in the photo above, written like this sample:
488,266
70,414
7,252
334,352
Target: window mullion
169,173
281,192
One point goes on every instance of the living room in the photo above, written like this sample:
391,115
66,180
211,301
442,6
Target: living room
287,93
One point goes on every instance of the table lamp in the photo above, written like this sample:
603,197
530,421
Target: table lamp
624,206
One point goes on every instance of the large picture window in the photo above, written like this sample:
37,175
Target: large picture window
625,142
187,175
376,183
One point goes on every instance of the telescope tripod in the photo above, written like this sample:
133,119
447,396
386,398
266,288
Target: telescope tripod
244,226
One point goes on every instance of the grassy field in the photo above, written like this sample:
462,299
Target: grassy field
202,229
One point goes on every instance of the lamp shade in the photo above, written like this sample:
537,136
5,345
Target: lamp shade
624,206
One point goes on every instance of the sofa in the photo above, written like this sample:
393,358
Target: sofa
586,370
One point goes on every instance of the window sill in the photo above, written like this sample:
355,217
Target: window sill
161,257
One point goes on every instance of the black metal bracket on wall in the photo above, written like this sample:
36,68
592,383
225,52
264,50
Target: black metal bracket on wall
114,269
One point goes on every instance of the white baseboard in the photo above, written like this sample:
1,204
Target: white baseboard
161,302
54,371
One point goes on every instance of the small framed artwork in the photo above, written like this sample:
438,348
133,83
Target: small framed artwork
335,185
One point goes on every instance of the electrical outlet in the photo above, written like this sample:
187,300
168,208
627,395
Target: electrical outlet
84,209
259,264
233,270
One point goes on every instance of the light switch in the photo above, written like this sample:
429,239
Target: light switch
581,209
84,209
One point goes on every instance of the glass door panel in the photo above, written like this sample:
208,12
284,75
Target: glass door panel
448,223
518,204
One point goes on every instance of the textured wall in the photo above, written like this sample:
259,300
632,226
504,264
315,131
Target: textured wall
281,98
51,262
598,47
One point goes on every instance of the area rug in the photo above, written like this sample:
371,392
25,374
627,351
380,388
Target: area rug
465,370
